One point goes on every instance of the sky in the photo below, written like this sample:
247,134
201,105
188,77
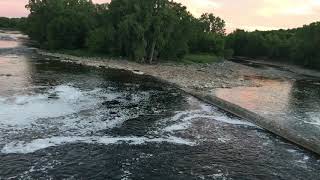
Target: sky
244,14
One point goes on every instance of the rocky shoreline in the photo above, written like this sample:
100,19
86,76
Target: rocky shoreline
204,78
198,77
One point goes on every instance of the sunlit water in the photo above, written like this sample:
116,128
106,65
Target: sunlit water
293,105
66,121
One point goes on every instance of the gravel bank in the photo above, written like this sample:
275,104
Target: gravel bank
198,77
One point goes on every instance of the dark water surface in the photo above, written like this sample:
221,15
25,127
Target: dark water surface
66,121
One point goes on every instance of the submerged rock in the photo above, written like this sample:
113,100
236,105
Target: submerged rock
111,103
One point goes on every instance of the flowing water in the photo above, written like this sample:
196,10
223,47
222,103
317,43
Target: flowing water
65,121
291,104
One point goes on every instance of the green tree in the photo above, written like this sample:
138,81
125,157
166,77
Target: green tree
142,30
299,46
213,24
13,23
60,23
101,40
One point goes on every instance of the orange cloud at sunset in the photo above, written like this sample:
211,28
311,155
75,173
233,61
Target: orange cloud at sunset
246,14
259,14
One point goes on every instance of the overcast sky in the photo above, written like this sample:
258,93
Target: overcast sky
245,14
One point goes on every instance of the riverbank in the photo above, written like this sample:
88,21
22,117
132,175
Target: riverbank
199,77
283,66
205,77
202,80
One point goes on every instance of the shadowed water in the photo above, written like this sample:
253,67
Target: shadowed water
66,121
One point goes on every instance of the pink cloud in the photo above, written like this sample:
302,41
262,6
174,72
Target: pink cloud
247,14
16,8
262,14
13,8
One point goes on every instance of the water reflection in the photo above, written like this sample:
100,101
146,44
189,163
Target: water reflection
14,74
9,44
269,97
293,106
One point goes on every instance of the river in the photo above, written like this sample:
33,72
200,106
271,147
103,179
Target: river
66,121
291,104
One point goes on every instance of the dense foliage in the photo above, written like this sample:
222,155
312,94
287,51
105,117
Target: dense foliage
12,23
143,30
299,46
148,30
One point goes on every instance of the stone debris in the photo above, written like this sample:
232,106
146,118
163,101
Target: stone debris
200,77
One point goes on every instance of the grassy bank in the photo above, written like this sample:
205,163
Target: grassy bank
201,58
81,53
188,59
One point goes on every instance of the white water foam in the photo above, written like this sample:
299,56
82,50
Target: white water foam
5,37
186,122
313,123
2,99
314,118
11,37
12,56
22,111
183,120
69,112
21,147
225,119
70,115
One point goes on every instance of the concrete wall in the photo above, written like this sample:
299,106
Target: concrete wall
310,144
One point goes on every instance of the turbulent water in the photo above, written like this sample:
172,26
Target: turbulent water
66,121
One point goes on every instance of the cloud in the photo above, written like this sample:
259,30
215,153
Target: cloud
259,14
246,14
13,8
287,7
197,7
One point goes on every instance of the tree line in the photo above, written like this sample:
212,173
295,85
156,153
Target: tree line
12,23
151,30
142,30
298,46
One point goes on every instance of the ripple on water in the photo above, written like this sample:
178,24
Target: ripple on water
22,147
183,120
